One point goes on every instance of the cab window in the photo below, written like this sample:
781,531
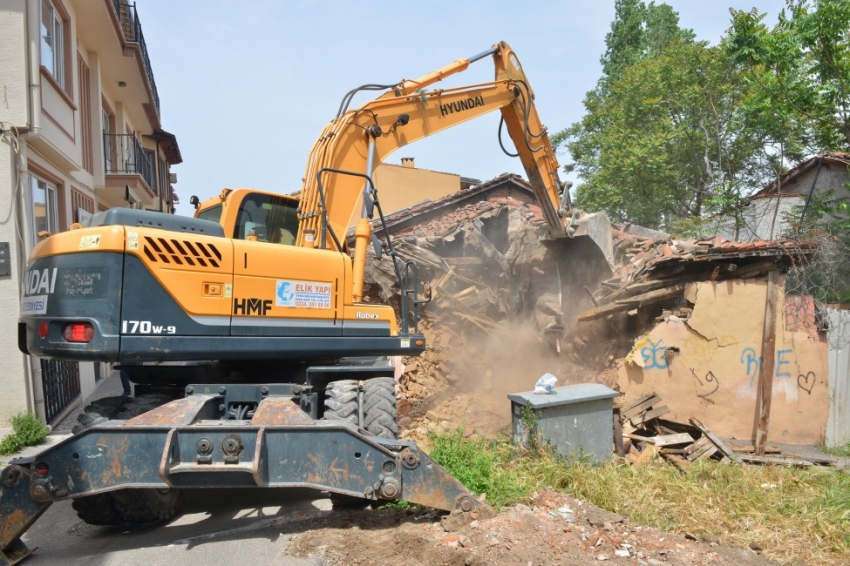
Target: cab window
272,219
213,213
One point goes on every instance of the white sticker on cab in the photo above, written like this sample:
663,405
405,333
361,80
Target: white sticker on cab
88,242
34,305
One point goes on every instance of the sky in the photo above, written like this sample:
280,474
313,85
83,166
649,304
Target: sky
248,86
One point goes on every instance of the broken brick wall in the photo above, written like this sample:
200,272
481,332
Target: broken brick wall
708,365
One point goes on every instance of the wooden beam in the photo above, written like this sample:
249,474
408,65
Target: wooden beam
768,354
776,461
630,303
716,440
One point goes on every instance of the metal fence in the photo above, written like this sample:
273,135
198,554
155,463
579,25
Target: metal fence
838,360
132,28
124,155
61,383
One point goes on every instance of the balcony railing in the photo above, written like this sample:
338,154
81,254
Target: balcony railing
132,28
123,155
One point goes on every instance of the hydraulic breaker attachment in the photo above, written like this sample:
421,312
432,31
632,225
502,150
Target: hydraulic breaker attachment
178,445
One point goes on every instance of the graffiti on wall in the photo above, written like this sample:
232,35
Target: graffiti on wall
706,386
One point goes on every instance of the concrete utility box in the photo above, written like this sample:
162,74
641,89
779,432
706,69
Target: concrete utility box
577,420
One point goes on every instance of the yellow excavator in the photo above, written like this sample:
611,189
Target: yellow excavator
256,361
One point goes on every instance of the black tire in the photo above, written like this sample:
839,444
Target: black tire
380,418
145,506
136,406
96,510
380,414
125,507
341,401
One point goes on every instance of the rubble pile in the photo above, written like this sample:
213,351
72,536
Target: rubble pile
644,437
496,320
555,528
652,270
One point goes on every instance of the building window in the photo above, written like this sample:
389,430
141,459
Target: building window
44,210
52,42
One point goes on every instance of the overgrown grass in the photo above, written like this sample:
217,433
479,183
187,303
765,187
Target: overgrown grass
27,430
842,451
795,515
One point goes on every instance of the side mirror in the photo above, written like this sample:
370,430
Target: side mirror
195,201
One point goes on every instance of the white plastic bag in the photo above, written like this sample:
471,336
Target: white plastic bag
546,383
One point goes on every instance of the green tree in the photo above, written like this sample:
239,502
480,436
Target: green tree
639,30
666,141
801,67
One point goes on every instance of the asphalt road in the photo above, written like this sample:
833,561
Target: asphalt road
236,526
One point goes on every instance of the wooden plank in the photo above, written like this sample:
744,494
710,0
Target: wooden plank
641,405
649,415
637,401
768,355
703,449
716,440
462,261
672,439
712,450
618,434
468,291
776,461
677,461
819,460
648,455
696,446
751,449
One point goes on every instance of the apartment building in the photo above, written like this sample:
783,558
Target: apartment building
80,132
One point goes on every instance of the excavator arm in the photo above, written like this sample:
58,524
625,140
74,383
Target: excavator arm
358,140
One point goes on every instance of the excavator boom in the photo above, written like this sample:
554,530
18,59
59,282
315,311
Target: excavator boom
359,139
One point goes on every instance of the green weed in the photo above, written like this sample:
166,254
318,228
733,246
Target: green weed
797,515
27,430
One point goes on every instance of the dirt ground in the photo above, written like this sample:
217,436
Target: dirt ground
557,529
463,382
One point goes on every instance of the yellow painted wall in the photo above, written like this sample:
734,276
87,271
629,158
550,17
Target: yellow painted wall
715,374
400,187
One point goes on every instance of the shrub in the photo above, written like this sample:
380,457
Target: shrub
27,430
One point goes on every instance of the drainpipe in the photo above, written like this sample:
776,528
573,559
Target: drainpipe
32,365
34,73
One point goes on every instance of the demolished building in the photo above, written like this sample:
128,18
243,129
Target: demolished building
684,318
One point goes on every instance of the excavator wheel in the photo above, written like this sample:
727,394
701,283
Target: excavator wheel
125,507
341,400
380,417
380,414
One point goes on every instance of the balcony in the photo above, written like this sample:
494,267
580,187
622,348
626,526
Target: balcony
132,28
129,168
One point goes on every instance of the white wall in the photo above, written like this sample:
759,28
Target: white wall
13,63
